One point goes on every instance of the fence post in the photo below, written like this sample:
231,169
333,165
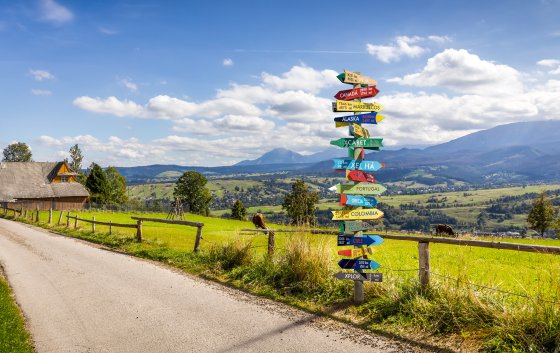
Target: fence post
139,231
424,264
68,220
50,215
110,227
270,243
60,217
25,214
93,225
198,237
76,222
5,209
37,217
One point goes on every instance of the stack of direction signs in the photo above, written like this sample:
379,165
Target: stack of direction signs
356,194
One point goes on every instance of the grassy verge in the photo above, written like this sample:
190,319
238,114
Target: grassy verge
468,317
14,338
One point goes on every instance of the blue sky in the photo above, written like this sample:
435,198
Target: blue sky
215,82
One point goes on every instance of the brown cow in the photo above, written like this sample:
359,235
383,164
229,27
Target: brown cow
444,229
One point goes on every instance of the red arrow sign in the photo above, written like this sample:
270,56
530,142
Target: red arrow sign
358,175
363,92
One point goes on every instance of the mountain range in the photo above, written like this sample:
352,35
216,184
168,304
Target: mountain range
517,152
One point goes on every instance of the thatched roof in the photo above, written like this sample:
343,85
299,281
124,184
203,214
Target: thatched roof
32,180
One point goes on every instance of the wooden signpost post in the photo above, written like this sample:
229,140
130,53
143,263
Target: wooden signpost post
362,182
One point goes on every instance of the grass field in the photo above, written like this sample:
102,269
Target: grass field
13,335
392,305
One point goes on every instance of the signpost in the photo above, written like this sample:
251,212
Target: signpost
358,175
361,189
368,118
352,164
360,276
367,240
355,78
367,143
356,93
344,106
342,215
360,201
358,264
357,170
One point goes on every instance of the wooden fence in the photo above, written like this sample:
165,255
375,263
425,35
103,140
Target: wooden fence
93,222
185,223
424,246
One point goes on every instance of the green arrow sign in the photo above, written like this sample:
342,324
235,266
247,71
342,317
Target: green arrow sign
361,189
368,143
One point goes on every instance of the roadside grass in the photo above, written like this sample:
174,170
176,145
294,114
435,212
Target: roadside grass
14,337
300,273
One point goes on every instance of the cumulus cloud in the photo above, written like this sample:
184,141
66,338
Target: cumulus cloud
227,62
464,72
41,92
302,78
403,46
112,106
552,63
52,12
40,75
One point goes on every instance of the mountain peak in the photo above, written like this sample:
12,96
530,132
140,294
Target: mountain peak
276,156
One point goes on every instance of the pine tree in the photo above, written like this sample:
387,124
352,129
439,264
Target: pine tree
17,152
238,211
300,204
541,216
98,185
117,184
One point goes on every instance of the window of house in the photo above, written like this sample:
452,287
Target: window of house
64,179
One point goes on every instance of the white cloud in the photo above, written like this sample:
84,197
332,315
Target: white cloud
403,46
227,62
302,78
439,39
112,106
464,72
53,12
554,63
129,85
40,75
40,92
107,31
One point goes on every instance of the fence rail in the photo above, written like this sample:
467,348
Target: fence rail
198,225
424,246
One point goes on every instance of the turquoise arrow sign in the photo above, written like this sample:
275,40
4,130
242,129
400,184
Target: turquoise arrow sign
352,164
361,201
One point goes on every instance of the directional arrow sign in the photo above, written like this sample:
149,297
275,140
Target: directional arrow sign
355,252
358,264
352,164
356,93
355,226
358,276
359,131
344,106
355,78
361,201
372,213
358,175
368,118
369,143
367,240
361,189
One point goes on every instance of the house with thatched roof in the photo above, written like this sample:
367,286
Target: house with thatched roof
42,185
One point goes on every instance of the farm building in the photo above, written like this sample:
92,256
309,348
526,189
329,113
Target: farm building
42,185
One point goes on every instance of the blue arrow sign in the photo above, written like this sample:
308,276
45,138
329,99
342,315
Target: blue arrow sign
358,264
367,240
368,118
361,201
352,164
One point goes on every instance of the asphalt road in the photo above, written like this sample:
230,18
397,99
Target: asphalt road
78,297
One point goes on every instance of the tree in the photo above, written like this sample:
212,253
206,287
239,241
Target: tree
481,220
98,184
238,211
76,158
117,186
17,152
300,204
541,216
191,190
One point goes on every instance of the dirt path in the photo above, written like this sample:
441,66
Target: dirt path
80,298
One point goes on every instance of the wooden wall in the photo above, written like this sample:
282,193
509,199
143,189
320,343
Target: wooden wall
58,204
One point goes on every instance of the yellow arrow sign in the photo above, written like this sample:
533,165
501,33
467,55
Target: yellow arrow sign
360,131
356,78
344,215
349,106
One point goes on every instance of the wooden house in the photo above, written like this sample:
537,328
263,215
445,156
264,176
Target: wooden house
42,185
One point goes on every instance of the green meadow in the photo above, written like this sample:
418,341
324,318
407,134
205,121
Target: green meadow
467,283
14,337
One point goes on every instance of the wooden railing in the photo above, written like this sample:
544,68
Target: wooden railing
94,222
185,223
424,246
